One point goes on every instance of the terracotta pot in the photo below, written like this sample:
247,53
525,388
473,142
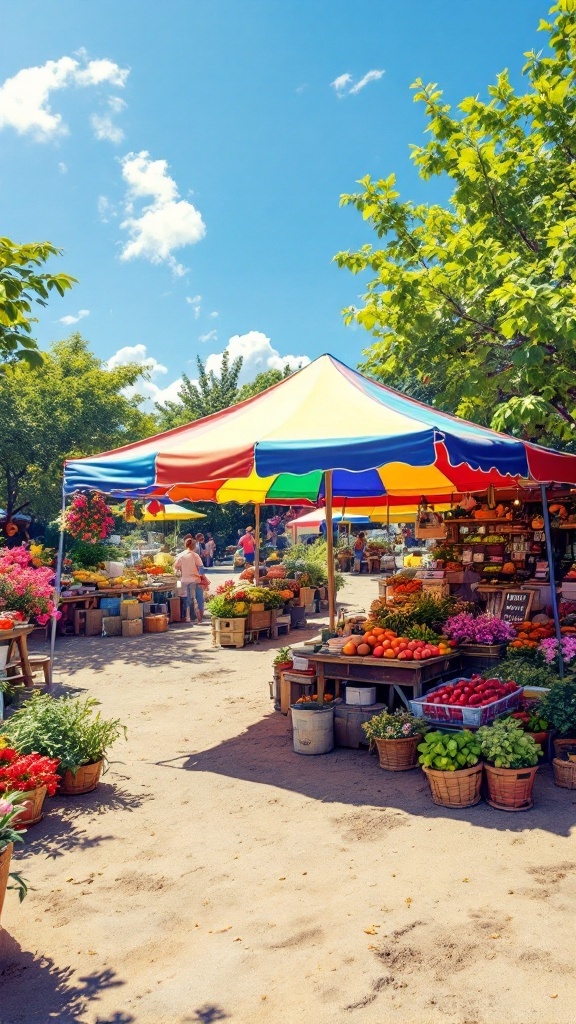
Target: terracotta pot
510,789
398,755
85,780
5,856
31,808
282,666
455,789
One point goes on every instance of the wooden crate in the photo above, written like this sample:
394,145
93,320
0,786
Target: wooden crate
131,610
348,720
156,623
175,609
430,532
306,599
259,620
229,632
132,627
94,617
436,588
112,625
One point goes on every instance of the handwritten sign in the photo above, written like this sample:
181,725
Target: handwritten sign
516,605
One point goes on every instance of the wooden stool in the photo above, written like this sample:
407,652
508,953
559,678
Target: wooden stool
37,662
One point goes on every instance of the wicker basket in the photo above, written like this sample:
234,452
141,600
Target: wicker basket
510,789
455,789
398,755
31,808
564,773
564,746
85,780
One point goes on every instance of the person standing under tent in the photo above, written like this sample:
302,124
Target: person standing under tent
191,569
359,549
248,545
209,551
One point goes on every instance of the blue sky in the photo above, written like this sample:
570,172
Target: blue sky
217,124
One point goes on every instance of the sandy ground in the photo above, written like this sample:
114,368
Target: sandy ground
217,876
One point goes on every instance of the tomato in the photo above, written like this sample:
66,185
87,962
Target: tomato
412,646
408,654
378,652
417,655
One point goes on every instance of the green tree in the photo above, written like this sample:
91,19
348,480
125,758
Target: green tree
22,285
261,381
69,406
479,297
210,394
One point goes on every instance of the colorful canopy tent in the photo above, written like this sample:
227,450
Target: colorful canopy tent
170,513
327,431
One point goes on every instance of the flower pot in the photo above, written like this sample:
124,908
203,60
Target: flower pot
5,856
562,746
455,789
30,808
564,773
282,666
85,780
510,789
398,755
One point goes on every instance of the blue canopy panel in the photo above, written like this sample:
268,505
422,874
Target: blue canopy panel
354,453
112,474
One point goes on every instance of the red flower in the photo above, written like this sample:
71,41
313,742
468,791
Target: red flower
29,771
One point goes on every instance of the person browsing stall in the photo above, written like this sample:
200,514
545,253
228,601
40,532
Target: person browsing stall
191,569
248,545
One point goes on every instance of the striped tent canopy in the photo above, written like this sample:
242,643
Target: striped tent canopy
276,446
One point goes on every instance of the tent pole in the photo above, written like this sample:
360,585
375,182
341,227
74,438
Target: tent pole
57,586
550,551
257,545
330,550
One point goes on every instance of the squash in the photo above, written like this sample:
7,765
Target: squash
509,568
538,523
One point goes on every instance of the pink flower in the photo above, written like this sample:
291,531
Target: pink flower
5,808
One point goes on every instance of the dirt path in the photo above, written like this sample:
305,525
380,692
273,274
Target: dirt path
218,876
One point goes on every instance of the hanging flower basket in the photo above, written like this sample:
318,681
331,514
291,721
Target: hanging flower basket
89,518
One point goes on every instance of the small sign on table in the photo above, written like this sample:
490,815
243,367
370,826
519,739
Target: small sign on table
516,605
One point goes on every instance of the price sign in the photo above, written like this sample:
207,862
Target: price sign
516,605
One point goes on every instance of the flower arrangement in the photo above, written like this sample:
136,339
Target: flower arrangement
24,772
551,649
401,725
25,589
223,606
9,810
484,629
89,517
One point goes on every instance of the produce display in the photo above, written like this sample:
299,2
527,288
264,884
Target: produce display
473,692
475,701
506,745
385,643
313,699
449,752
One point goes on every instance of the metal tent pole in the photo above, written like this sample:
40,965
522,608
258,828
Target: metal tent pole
257,545
330,550
57,585
550,550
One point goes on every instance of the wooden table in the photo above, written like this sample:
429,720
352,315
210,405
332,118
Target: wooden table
380,672
18,638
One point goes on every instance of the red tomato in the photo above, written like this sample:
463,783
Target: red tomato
417,656
408,654
378,652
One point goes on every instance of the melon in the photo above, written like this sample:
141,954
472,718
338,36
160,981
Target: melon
363,650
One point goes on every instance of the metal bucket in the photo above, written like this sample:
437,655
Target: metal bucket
313,728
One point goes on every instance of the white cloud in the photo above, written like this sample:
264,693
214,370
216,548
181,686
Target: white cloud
370,76
135,354
341,83
196,302
71,319
210,336
105,209
214,314
62,167
104,126
258,355
167,223
25,98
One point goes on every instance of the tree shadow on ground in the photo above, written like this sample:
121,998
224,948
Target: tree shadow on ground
35,990
264,754
207,1014
57,833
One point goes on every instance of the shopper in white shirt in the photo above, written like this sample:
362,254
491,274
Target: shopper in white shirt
190,566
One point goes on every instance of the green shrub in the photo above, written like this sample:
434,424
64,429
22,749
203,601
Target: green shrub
506,745
558,706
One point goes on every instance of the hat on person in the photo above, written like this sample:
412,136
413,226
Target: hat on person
249,529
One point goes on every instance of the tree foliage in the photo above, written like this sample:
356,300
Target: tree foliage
479,298
69,406
21,285
262,381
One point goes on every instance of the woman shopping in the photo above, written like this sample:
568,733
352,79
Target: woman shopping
191,569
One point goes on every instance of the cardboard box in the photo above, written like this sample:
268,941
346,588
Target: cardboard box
94,618
131,610
132,627
111,625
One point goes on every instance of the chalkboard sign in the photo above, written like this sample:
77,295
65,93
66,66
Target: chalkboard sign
516,605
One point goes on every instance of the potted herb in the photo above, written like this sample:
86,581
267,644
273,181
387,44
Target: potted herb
34,776
283,659
9,811
70,730
558,706
451,763
511,763
533,723
395,736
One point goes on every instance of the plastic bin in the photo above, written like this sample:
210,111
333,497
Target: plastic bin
447,714
360,694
